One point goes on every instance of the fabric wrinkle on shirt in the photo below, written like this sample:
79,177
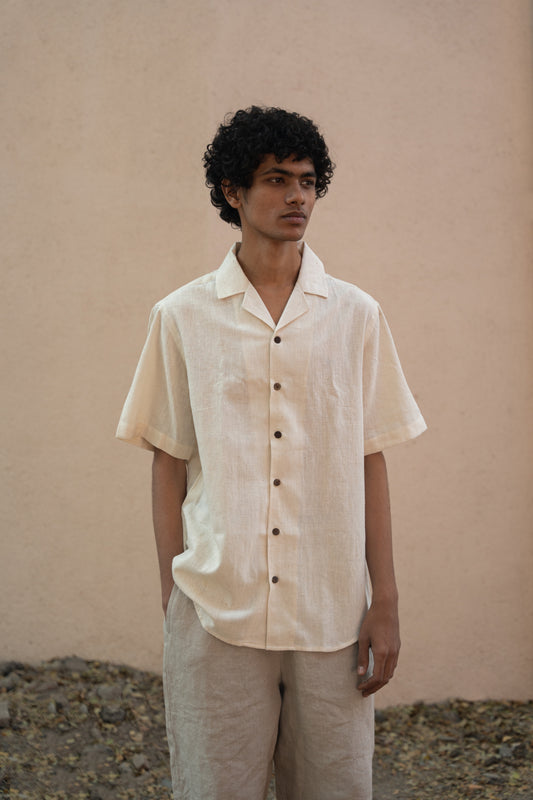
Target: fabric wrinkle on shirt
274,422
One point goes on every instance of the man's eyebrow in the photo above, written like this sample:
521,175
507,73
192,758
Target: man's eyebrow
280,171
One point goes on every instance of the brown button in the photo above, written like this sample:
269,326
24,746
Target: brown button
277,339
277,481
278,434
275,579
277,386
275,531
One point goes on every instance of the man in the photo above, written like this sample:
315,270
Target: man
267,391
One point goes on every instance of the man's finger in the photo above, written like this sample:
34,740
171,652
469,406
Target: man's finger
383,670
363,657
371,686
380,662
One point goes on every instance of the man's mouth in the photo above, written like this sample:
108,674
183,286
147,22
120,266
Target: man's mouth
294,215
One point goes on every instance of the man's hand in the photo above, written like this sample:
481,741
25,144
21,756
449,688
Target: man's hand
381,632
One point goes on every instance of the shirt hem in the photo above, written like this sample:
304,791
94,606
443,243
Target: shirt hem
396,436
149,438
275,648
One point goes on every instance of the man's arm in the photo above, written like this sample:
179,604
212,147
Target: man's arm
169,487
380,629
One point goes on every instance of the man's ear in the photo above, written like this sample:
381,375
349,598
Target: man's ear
231,193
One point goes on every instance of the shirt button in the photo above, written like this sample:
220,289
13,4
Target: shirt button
275,531
275,579
277,386
277,339
278,434
277,481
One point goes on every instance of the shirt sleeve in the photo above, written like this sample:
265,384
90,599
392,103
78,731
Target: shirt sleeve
157,412
391,415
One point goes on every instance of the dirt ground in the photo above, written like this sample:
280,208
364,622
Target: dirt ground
83,730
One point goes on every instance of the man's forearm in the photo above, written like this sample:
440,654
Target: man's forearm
380,628
379,530
169,487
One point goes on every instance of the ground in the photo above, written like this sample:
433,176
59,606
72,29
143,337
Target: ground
83,730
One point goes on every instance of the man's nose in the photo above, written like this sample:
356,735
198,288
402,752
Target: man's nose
295,193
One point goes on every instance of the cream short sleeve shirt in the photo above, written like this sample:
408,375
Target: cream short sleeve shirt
274,422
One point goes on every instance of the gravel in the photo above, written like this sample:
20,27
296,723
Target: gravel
72,729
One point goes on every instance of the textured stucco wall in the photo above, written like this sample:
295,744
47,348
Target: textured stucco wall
106,110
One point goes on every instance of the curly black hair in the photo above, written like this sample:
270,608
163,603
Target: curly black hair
243,140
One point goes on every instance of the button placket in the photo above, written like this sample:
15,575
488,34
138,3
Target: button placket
275,545
287,369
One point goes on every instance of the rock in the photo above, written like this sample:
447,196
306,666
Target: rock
108,691
451,716
44,687
496,780
505,751
58,704
53,666
140,761
112,713
74,664
5,783
61,702
10,666
96,756
99,792
519,750
5,719
96,733
10,682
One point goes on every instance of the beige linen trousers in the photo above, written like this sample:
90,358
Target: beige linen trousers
232,710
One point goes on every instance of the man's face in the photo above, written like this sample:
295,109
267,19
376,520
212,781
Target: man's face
279,202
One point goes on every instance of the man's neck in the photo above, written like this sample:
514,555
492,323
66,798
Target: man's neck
270,265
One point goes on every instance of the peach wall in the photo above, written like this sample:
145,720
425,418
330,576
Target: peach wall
106,111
